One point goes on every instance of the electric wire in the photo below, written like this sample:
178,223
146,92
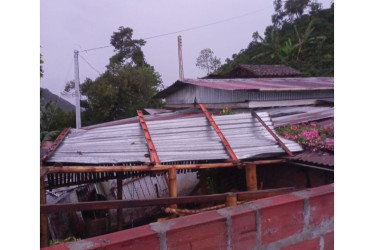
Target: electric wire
188,29
90,65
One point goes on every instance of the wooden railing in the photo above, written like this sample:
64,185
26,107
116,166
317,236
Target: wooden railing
116,204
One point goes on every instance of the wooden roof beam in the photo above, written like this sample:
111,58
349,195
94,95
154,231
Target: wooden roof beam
151,147
272,133
223,138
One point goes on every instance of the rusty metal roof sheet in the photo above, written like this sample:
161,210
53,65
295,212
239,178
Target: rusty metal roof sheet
319,158
270,70
254,84
180,114
311,115
174,140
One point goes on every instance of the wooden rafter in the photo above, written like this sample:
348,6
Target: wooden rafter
220,134
151,147
273,134
56,143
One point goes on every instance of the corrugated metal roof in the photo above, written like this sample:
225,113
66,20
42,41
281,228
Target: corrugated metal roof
157,111
320,158
310,114
254,84
270,70
185,113
175,140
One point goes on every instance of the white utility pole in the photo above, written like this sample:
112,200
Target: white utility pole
77,93
180,59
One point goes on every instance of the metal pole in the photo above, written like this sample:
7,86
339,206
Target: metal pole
77,93
180,59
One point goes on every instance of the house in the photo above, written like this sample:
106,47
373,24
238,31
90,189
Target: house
169,152
259,71
248,92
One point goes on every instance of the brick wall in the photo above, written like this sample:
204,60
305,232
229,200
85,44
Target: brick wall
299,220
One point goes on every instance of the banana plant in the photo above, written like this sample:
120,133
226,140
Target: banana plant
288,51
305,38
271,46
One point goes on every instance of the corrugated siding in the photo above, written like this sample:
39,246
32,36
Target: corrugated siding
191,93
185,95
289,95
175,140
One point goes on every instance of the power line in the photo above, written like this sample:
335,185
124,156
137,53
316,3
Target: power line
205,25
90,65
188,29
96,48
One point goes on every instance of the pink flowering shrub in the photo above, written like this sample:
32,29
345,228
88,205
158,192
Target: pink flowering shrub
310,136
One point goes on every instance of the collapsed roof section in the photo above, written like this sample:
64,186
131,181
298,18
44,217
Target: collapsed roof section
174,140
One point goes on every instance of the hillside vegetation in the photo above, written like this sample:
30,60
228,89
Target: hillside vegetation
48,96
302,41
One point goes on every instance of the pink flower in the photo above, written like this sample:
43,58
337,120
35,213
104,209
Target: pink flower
294,127
286,135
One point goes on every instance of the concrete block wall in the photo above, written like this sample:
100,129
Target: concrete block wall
299,220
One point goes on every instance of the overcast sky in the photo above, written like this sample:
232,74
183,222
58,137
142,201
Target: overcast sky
84,24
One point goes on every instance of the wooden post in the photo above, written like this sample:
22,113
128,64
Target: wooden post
173,185
251,177
203,182
43,217
119,197
231,200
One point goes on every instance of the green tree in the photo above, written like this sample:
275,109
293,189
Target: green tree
41,67
278,16
207,61
305,43
270,45
53,120
127,50
295,7
128,84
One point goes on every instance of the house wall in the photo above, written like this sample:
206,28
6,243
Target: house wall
191,93
299,220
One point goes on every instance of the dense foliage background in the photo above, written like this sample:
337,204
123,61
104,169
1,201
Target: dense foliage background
302,41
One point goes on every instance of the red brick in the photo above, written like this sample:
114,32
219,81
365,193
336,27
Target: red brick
329,241
280,221
243,230
276,200
318,191
200,231
321,208
312,244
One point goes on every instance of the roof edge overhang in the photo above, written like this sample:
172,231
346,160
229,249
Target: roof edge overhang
171,89
182,83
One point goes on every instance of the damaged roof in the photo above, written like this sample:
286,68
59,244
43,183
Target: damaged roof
174,140
282,116
254,84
